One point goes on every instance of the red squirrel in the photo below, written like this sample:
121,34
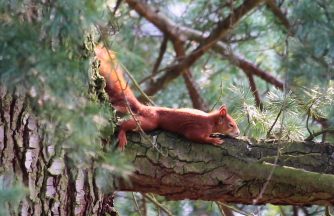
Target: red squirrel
193,124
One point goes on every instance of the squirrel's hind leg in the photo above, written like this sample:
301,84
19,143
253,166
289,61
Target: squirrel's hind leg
138,124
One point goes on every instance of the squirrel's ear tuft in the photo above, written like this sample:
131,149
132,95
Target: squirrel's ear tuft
223,111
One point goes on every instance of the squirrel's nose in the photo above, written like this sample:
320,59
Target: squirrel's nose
237,133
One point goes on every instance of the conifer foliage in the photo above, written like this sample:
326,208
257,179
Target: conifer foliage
270,62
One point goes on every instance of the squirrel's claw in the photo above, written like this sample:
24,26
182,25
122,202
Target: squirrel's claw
122,140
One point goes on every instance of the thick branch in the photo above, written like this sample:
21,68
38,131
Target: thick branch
182,33
278,13
170,28
234,172
155,17
235,59
194,93
223,27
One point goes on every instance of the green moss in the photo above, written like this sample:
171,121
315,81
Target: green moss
97,84
198,167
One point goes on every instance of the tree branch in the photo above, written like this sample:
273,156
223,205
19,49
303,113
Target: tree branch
254,90
194,93
234,172
278,13
162,51
165,25
235,59
182,33
172,30
251,68
313,135
223,27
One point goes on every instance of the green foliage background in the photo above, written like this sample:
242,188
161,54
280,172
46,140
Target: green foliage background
45,53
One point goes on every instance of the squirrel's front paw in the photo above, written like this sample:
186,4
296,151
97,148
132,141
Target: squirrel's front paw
122,140
217,141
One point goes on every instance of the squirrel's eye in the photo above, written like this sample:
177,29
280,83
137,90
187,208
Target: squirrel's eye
230,125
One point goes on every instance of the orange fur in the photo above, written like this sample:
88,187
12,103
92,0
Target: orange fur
193,124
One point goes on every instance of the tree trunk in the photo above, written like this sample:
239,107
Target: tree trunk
236,172
54,185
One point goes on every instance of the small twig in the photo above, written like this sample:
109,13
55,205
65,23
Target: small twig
136,203
232,208
162,51
144,135
328,211
282,210
308,117
145,79
276,159
272,126
118,3
225,211
137,85
220,209
313,135
304,210
268,179
193,90
159,205
254,90
143,205
307,120
125,98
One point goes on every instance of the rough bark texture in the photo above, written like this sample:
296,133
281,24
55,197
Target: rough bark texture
235,172
54,185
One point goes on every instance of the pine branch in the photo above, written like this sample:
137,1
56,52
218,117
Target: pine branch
165,25
172,30
249,67
118,3
278,13
313,135
159,205
162,51
254,91
223,27
136,204
193,90
235,59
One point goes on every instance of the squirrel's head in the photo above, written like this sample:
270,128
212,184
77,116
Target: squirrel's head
226,123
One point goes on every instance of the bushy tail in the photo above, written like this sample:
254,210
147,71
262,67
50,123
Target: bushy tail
118,90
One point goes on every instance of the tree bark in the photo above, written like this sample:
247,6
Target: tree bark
54,185
235,172
197,100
